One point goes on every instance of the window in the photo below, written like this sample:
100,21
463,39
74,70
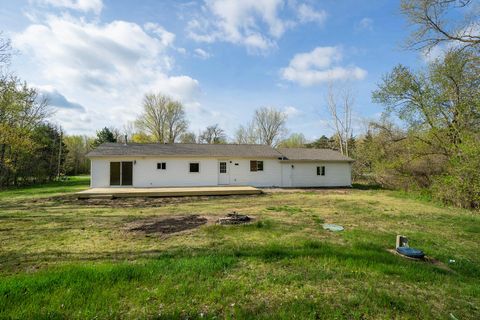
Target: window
162,166
259,165
256,165
223,167
321,171
194,167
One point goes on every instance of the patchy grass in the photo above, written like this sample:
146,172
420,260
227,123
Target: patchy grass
76,259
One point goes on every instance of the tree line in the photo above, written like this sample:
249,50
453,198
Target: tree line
427,139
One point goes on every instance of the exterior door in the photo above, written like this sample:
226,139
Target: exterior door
127,173
121,173
223,172
115,173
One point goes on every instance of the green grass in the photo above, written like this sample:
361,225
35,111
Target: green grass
74,259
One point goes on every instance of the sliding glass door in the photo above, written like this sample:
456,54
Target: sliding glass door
121,173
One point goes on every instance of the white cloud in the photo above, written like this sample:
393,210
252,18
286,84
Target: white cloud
202,54
308,14
167,38
365,24
105,67
320,65
291,111
95,6
255,24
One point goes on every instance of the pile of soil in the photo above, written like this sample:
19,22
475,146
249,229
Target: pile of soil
234,218
171,224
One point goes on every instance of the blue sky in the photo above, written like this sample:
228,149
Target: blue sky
223,59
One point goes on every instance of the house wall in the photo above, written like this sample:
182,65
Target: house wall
146,174
304,174
275,173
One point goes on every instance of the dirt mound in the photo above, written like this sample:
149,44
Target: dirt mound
171,224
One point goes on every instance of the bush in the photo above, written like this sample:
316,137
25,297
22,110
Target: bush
460,185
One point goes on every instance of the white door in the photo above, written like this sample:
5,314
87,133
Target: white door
223,172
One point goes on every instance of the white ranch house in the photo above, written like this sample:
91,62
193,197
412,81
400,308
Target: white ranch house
187,165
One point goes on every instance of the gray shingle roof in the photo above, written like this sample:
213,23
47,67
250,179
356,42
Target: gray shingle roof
184,149
215,150
304,154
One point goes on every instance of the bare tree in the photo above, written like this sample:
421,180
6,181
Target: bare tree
188,137
246,134
213,135
163,118
270,124
340,103
432,27
5,50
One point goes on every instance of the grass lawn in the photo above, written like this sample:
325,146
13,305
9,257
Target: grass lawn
71,259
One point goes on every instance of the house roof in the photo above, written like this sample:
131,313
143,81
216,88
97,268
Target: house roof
215,150
304,154
185,149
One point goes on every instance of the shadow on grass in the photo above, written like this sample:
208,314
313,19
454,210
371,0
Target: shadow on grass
365,186
366,256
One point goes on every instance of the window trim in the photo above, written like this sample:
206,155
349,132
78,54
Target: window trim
190,167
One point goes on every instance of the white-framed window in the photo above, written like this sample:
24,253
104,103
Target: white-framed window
320,170
256,165
194,167
162,166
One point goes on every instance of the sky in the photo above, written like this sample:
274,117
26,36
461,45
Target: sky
95,60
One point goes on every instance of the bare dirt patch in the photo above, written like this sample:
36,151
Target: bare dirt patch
235,218
308,190
169,225
136,202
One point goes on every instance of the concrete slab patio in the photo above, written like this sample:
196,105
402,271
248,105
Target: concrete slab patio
167,192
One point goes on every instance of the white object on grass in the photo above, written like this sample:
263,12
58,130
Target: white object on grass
332,227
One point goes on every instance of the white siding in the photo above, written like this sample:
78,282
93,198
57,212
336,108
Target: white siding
304,174
274,174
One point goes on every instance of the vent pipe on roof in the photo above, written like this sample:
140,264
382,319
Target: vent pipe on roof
125,141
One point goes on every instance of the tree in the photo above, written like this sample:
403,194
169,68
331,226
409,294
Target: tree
437,104
5,50
340,104
295,140
163,118
322,143
103,136
21,111
188,137
213,135
246,134
76,162
141,137
270,125
433,28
